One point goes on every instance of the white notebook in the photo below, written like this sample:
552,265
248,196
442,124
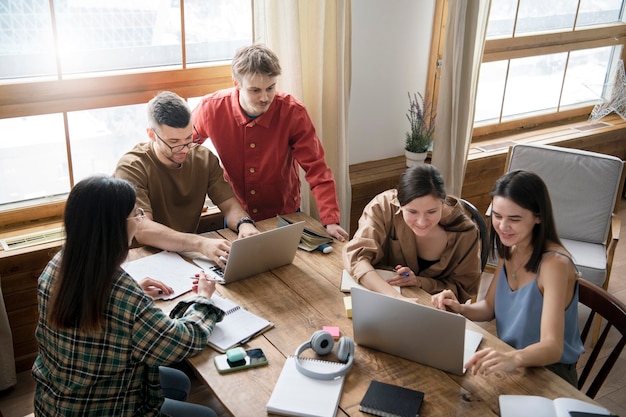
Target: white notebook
536,406
237,327
347,282
168,267
298,395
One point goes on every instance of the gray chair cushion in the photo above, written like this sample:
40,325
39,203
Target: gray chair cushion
583,187
590,258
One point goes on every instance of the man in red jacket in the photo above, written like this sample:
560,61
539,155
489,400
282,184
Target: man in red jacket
261,136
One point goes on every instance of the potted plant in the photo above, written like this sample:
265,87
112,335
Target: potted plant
420,137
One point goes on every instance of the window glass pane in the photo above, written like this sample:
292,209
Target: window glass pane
586,75
490,91
215,29
99,138
26,43
541,15
534,84
501,18
33,162
117,34
595,12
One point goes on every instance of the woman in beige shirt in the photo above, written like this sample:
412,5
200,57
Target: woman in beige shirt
421,233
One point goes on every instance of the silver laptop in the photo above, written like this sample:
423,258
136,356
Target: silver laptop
255,254
412,331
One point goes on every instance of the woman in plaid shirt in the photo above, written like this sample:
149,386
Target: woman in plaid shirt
101,339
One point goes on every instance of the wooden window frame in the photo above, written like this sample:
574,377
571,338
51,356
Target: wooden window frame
519,47
62,96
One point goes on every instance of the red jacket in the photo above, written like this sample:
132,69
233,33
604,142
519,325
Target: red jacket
260,156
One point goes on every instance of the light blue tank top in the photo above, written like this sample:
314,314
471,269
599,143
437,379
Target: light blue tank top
518,317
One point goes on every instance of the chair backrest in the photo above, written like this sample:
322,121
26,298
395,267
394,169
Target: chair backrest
583,187
482,229
613,311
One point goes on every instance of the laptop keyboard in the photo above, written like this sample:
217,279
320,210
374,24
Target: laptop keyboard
219,271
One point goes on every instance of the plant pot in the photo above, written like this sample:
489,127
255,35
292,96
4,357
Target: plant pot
413,158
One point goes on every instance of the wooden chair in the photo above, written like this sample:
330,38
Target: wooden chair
613,311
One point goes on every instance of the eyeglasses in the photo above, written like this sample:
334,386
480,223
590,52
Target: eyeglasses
139,215
175,149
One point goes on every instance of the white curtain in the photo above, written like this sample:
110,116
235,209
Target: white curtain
312,40
462,54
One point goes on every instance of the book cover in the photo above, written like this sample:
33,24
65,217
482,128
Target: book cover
537,406
387,400
310,240
298,395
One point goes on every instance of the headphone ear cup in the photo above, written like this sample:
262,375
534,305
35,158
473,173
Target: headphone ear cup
322,342
345,349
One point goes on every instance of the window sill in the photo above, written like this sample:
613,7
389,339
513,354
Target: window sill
561,135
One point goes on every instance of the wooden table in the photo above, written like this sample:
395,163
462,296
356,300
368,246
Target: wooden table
302,297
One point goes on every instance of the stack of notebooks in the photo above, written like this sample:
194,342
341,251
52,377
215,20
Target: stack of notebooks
310,240
387,400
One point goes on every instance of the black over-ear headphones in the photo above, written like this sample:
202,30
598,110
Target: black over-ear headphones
322,343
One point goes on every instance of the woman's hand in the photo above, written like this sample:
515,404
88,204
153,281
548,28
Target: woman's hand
155,288
446,300
405,278
203,285
487,361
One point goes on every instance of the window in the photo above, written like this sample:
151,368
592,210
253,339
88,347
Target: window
547,61
76,76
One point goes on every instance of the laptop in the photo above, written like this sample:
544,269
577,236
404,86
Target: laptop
255,254
412,331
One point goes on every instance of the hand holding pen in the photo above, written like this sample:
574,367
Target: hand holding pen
203,284
405,277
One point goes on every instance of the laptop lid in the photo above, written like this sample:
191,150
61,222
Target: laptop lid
412,331
257,253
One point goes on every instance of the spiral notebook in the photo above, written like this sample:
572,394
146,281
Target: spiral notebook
298,395
387,400
238,326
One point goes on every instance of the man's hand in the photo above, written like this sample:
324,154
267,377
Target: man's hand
337,232
247,229
215,250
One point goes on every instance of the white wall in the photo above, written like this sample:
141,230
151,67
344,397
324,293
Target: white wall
390,48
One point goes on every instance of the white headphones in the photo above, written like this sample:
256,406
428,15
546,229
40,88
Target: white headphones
322,343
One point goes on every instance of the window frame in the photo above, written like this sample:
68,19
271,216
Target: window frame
520,47
62,96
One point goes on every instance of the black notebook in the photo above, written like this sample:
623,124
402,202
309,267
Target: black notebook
386,400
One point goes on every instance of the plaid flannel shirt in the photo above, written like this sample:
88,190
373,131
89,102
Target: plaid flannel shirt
114,372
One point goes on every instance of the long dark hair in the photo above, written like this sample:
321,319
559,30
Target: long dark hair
527,190
96,244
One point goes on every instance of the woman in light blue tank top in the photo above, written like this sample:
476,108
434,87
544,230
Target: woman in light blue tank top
534,293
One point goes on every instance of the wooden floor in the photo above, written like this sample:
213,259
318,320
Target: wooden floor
17,401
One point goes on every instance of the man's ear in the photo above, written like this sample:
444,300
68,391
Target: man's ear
236,84
150,133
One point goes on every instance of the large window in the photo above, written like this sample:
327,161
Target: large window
75,76
547,61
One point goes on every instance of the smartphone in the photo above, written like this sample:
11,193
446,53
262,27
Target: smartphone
254,357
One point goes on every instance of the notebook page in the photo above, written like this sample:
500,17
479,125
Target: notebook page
168,267
237,326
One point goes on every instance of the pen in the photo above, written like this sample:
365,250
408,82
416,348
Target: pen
208,279
404,274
